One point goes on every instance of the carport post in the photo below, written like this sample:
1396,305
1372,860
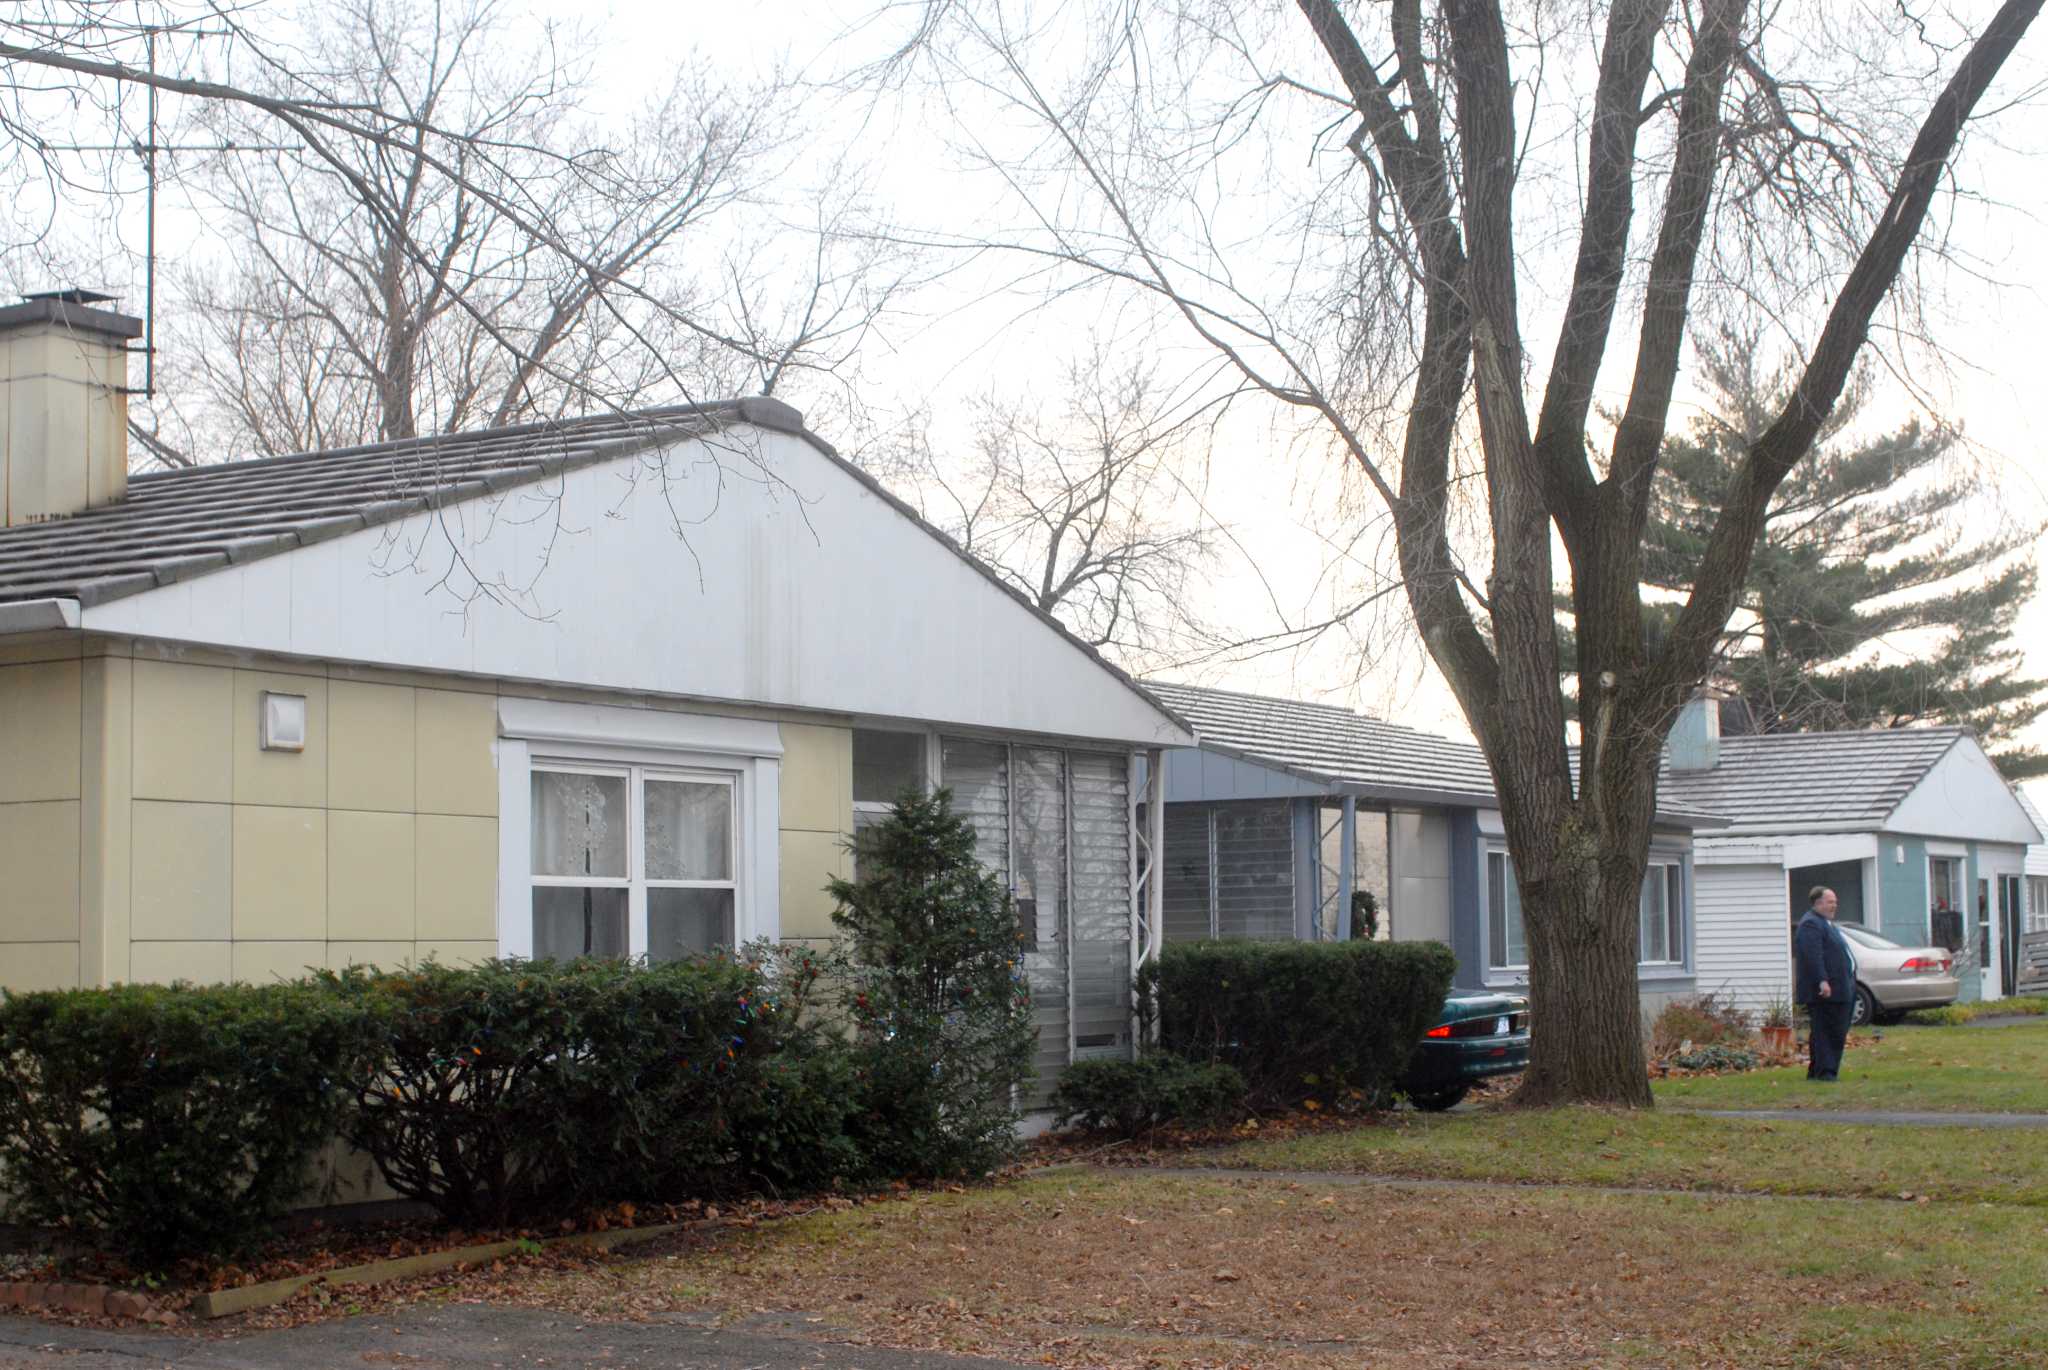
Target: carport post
1347,862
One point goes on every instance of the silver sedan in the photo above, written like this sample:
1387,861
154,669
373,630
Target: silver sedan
1891,978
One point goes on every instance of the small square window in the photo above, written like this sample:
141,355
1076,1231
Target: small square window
885,764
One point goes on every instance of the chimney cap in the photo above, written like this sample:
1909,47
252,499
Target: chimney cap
76,309
73,295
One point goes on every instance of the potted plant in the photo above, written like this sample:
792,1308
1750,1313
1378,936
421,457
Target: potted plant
1777,1028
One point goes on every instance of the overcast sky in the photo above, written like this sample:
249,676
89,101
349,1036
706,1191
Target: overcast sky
1283,504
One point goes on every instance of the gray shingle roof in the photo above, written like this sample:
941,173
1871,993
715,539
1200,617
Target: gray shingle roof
174,525
1847,780
1330,742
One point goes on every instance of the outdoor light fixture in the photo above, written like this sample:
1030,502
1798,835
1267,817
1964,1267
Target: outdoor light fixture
284,722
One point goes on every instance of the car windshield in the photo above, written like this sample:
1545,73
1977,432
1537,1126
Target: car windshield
1865,937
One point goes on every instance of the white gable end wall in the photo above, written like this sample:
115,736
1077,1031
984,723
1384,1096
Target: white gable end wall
746,567
1963,797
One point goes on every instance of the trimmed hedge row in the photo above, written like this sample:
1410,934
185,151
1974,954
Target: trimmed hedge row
181,1120
1298,1019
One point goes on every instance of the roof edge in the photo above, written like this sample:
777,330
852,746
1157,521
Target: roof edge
38,615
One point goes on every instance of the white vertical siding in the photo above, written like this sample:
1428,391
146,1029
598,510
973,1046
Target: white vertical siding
1743,926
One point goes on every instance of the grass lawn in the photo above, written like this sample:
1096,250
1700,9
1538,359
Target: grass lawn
1946,1070
1133,1269
1671,1149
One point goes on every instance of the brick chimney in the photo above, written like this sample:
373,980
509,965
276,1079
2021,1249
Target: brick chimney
63,405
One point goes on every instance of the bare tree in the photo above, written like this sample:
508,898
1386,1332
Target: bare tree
421,229
1379,296
1089,505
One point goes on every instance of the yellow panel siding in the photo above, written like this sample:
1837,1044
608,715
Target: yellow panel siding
263,963
458,953
371,752
184,732
457,878
817,778
280,874
182,874
370,880
203,963
456,760
40,708
382,955
106,815
26,966
817,814
39,865
809,859
297,779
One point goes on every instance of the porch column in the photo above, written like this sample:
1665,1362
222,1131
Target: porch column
1347,862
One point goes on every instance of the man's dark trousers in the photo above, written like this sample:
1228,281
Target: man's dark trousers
1830,1031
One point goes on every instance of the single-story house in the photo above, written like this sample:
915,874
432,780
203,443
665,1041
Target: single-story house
1913,828
621,684
2037,863
1285,807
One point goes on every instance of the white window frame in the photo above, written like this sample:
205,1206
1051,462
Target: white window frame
2037,903
872,809
642,744
1670,871
1663,862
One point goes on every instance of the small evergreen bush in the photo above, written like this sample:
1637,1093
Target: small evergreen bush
935,994
1130,1098
1717,1056
1298,1018
170,1120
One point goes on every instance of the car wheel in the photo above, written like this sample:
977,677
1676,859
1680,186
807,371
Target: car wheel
1866,1008
1437,1100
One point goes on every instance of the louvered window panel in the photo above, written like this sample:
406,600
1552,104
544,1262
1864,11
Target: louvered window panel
1186,893
1101,864
978,773
1038,838
1254,871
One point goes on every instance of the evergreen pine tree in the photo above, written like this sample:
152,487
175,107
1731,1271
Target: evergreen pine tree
1869,603
940,1008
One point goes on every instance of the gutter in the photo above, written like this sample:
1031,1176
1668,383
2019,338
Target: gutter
38,615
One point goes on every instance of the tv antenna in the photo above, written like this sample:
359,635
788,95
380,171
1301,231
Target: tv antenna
147,151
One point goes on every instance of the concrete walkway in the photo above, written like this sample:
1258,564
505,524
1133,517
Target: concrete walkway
1874,1118
461,1337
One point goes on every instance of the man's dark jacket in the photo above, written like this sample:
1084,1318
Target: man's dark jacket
1820,952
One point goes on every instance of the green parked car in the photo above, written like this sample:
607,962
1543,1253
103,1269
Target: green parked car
1478,1034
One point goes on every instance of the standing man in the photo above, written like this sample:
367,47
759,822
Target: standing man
1823,979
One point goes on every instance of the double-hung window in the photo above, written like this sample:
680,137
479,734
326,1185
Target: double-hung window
632,860
1662,914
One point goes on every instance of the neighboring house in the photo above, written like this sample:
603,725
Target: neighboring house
619,685
1262,839
2037,864
1913,828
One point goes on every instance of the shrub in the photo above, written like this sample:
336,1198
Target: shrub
1298,1018
935,994
1948,1015
1717,1056
1133,1097
1700,1019
514,1089
175,1120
